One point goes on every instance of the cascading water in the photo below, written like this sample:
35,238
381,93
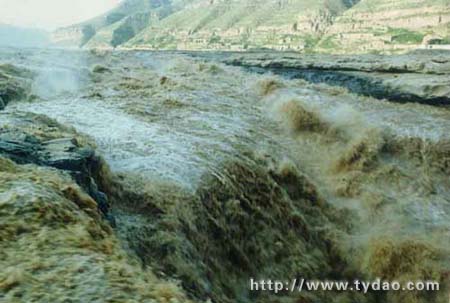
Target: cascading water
223,174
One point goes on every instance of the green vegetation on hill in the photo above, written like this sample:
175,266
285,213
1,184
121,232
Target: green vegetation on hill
121,35
404,36
88,32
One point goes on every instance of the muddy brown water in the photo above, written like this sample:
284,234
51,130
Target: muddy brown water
172,119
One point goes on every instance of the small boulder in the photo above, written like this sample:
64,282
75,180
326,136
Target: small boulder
99,69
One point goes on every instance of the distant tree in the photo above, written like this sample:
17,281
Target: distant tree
214,39
88,32
122,35
350,3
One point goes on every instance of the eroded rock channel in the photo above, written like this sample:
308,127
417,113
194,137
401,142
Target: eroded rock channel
421,77
159,177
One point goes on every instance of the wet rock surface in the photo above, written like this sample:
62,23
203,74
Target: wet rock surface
55,247
423,62
14,84
26,142
416,77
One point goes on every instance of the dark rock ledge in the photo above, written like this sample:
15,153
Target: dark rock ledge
15,84
27,138
417,77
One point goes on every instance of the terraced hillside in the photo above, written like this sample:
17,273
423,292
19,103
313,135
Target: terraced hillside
298,25
240,25
390,25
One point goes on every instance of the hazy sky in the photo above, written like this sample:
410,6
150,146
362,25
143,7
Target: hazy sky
50,14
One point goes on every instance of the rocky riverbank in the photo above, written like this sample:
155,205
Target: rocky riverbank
32,139
422,77
56,238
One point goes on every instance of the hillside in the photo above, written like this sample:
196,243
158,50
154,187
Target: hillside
298,25
242,25
390,25
118,25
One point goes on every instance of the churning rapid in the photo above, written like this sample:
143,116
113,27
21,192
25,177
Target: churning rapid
208,175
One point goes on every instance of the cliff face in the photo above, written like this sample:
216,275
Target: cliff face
374,25
298,25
